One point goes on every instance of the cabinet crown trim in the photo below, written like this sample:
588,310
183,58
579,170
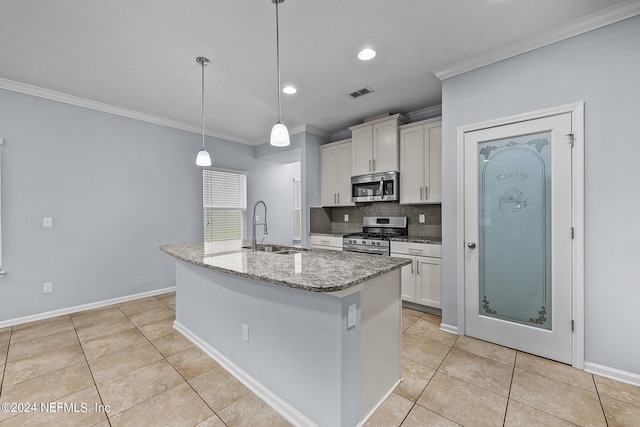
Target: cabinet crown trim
399,117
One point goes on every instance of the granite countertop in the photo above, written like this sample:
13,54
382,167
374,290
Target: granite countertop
418,239
315,270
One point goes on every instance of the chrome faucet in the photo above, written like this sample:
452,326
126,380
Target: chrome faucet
254,243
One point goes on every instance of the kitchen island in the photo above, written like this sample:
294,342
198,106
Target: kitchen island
316,333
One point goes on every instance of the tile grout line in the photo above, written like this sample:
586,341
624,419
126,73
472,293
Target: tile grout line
604,413
106,414
6,360
429,381
513,372
170,364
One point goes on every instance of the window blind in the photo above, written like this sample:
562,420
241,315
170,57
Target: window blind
224,200
297,210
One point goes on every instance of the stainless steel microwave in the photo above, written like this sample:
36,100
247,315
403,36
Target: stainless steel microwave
376,187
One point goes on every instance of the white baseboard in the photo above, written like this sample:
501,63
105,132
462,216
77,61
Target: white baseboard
375,408
290,413
613,373
449,328
83,307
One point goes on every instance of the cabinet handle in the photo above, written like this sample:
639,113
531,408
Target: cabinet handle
415,250
420,193
411,266
334,198
369,165
338,198
417,267
426,192
325,241
374,165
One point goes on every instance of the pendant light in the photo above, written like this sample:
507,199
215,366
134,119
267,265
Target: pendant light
279,132
203,158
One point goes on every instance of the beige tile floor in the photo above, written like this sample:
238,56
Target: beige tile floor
127,357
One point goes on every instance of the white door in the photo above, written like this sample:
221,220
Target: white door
517,230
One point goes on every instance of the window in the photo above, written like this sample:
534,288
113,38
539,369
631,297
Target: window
297,210
224,200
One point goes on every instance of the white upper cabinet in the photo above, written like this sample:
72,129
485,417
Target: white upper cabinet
421,162
335,172
375,145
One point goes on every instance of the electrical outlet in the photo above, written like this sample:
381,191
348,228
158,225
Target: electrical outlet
351,316
421,218
47,287
47,222
245,333
346,217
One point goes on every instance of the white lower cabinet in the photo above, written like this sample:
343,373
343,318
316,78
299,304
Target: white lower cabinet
421,280
333,243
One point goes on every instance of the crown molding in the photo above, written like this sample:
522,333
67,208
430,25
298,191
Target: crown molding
107,108
310,129
573,28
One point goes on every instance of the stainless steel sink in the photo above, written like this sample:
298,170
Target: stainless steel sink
286,252
277,249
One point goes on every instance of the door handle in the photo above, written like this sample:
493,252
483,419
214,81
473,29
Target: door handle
471,245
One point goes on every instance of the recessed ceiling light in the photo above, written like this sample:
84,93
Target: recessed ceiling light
289,90
366,54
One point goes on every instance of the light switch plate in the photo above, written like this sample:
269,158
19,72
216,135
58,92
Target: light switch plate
346,217
47,222
351,316
421,218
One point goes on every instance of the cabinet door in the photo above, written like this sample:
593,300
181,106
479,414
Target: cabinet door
385,147
412,163
434,190
428,279
344,175
407,278
362,149
329,175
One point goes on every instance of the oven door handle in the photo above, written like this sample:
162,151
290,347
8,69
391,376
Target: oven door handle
381,188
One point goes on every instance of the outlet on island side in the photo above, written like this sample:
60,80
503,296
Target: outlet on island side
245,332
47,287
351,316
421,218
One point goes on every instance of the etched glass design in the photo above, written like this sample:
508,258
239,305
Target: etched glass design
515,229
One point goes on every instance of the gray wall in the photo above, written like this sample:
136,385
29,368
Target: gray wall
117,189
601,69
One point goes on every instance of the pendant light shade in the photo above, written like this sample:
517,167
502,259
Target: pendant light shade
279,135
203,158
279,132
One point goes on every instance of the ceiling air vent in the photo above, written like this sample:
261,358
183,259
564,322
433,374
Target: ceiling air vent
363,91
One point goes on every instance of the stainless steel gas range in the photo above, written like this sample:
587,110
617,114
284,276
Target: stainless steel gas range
376,235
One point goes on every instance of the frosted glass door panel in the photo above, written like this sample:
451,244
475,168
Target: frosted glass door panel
515,229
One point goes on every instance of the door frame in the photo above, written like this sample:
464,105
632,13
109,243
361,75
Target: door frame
577,216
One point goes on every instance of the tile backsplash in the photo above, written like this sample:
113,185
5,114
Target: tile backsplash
332,219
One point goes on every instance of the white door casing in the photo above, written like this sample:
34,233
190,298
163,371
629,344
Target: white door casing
555,341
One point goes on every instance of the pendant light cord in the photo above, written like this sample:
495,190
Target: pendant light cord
278,60
203,62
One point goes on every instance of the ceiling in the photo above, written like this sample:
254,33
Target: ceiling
140,55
